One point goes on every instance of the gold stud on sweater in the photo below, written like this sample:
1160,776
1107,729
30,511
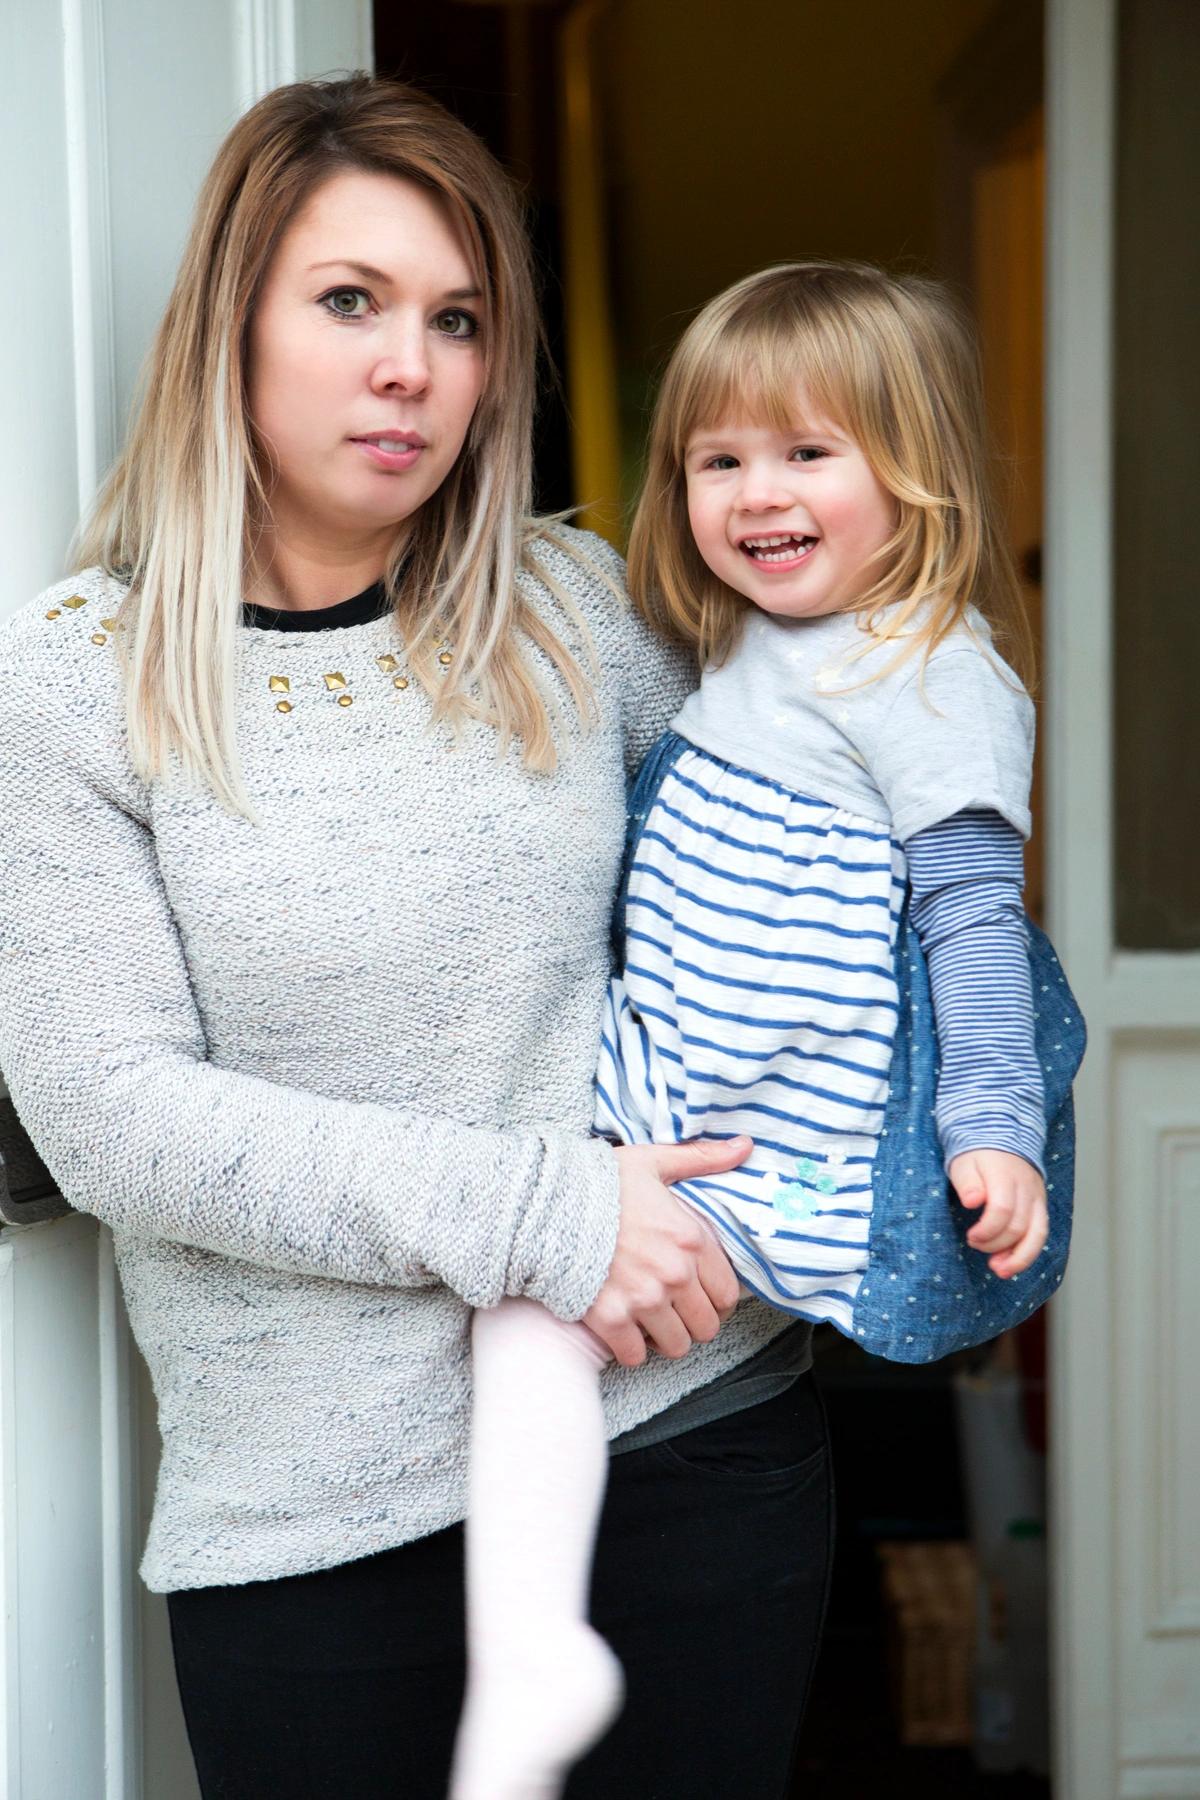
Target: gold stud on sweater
75,602
335,681
98,637
54,613
386,663
279,684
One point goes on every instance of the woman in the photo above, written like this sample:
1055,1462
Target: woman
303,942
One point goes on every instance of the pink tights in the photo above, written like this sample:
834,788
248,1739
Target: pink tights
542,1687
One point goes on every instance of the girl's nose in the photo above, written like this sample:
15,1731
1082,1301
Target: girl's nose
761,491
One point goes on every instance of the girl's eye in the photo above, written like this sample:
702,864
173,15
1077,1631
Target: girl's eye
721,463
808,453
458,324
343,302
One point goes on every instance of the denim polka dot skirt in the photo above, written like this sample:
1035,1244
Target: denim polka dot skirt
770,983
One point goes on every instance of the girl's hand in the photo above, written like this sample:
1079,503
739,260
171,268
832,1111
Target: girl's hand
1014,1223
670,1283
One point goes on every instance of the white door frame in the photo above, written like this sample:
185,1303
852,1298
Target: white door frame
1080,124
1124,1450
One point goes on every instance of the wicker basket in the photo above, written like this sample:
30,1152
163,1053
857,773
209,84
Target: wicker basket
930,1596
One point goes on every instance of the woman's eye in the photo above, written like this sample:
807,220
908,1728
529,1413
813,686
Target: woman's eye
343,303
457,324
808,453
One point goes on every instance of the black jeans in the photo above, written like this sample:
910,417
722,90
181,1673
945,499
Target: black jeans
711,1575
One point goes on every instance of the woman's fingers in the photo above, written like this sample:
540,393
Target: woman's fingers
670,1284
718,1278
622,1336
699,1318
666,1332
705,1302
701,1156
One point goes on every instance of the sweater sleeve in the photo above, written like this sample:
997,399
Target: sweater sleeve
967,876
104,1054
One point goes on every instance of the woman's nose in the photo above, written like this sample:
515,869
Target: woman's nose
404,366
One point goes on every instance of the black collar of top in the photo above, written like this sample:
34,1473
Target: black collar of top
360,609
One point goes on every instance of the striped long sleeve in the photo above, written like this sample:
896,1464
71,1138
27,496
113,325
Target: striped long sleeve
967,876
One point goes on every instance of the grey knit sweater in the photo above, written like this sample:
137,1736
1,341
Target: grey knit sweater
328,1078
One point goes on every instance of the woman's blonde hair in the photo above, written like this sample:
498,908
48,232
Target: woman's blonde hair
893,361
178,515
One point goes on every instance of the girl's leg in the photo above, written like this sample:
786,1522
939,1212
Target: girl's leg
710,1577
541,1686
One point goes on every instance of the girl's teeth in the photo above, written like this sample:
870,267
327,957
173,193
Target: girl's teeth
766,549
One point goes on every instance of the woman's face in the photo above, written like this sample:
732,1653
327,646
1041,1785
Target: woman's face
365,358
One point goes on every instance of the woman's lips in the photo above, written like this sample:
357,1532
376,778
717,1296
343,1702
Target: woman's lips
394,454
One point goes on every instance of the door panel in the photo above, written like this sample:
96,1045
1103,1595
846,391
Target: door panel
1125,1443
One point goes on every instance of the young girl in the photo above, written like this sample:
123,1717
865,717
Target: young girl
817,523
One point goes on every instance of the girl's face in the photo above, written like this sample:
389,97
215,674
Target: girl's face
790,519
365,358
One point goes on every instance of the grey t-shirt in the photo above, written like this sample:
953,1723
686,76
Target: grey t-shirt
761,1377
920,742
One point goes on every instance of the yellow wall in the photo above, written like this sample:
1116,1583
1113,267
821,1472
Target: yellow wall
741,134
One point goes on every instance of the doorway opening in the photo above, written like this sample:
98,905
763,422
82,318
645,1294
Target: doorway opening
665,153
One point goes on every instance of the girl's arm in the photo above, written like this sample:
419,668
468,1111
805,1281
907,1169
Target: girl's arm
104,1053
967,877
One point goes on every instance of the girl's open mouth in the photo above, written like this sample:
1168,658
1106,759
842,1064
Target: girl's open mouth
778,551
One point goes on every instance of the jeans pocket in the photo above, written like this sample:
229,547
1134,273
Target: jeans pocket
776,1441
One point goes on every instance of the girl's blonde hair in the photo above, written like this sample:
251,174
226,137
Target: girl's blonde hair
890,359
178,515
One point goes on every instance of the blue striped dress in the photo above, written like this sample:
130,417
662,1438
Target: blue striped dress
758,996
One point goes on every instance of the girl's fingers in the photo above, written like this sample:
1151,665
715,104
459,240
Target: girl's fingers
967,1181
1006,1221
1012,1228
999,1225
1027,1251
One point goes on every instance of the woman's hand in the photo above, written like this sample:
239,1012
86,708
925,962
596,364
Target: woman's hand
1014,1224
670,1283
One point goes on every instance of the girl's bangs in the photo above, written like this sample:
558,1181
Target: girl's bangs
758,376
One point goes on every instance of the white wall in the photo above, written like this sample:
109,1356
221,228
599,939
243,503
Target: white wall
39,481
112,112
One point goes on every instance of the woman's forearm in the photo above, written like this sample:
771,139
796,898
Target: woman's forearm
104,1052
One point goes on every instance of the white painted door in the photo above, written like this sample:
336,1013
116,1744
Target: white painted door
112,112
1124,895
